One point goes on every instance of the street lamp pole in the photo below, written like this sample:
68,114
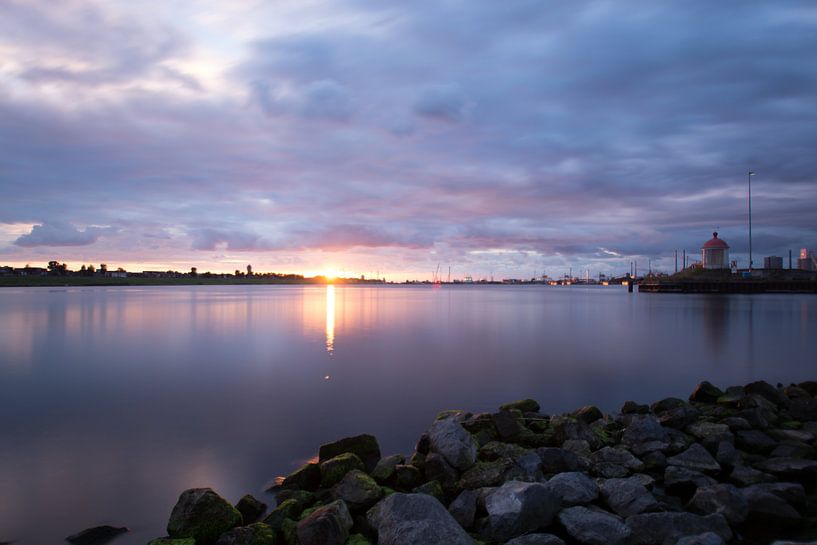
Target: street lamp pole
749,176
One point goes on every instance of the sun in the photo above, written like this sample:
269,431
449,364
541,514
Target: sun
331,274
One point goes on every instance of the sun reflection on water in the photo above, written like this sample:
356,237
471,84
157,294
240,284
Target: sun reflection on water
330,319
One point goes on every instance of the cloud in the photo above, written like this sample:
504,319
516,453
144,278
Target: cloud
59,234
442,102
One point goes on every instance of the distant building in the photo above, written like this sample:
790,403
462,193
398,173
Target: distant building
715,253
807,260
772,262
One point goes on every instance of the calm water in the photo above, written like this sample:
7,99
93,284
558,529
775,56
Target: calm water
114,400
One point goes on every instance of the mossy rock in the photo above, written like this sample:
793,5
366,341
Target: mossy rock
334,469
479,422
254,534
171,541
497,450
406,477
358,490
289,531
357,539
431,488
388,491
791,425
304,498
307,477
523,405
203,515
288,509
385,467
365,447
588,414
453,413
483,474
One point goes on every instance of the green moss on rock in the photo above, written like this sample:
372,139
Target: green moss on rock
334,469
203,515
524,405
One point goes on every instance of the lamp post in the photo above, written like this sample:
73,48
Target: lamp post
749,176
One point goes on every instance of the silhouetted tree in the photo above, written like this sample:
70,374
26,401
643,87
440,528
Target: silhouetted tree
55,268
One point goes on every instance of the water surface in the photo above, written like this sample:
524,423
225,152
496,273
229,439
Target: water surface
114,400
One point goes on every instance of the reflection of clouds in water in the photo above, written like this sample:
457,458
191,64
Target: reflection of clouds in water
330,319
715,313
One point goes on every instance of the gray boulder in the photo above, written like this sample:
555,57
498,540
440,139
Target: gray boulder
557,460
707,538
644,433
617,456
203,515
725,499
574,488
363,446
795,469
594,527
408,519
770,508
536,539
254,534
327,525
516,508
449,439
358,490
384,469
628,497
696,458
792,493
251,509
705,392
746,476
666,528
683,479
464,508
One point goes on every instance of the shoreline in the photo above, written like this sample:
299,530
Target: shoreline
733,466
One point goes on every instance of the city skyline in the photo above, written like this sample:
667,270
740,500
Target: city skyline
360,138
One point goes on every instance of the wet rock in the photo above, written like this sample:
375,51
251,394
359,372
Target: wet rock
358,490
645,434
768,508
516,508
661,528
594,527
384,469
536,539
574,488
745,476
767,391
464,508
449,439
307,477
254,534
696,458
627,497
707,538
557,460
524,405
203,515
334,469
588,414
705,392
365,447
409,519
251,509
96,535
725,499
327,525
754,441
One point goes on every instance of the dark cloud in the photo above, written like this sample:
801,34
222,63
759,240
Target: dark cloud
59,234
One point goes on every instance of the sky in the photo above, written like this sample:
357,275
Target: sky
386,138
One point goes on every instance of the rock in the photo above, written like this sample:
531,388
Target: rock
627,497
250,508
406,477
525,468
679,417
574,488
557,460
707,538
496,450
727,455
755,417
516,508
307,477
732,396
706,430
536,539
695,458
484,474
96,535
254,534
334,469
506,425
683,481
803,409
737,423
810,386
363,446
608,470
357,490
631,407
754,441
432,488
792,493
409,519
768,508
357,539
437,469
796,436
667,404
705,393
644,434
464,508
594,527
164,541
203,515
617,456
746,476
384,469
796,469
661,528
725,499
288,509
793,450
456,445
767,391
327,525
655,461
577,446
524,405
588,414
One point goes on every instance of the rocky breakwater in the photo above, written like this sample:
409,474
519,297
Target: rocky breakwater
733,466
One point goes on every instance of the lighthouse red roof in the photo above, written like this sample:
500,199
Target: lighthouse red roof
715,243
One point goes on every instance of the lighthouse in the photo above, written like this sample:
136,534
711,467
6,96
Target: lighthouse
715,253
